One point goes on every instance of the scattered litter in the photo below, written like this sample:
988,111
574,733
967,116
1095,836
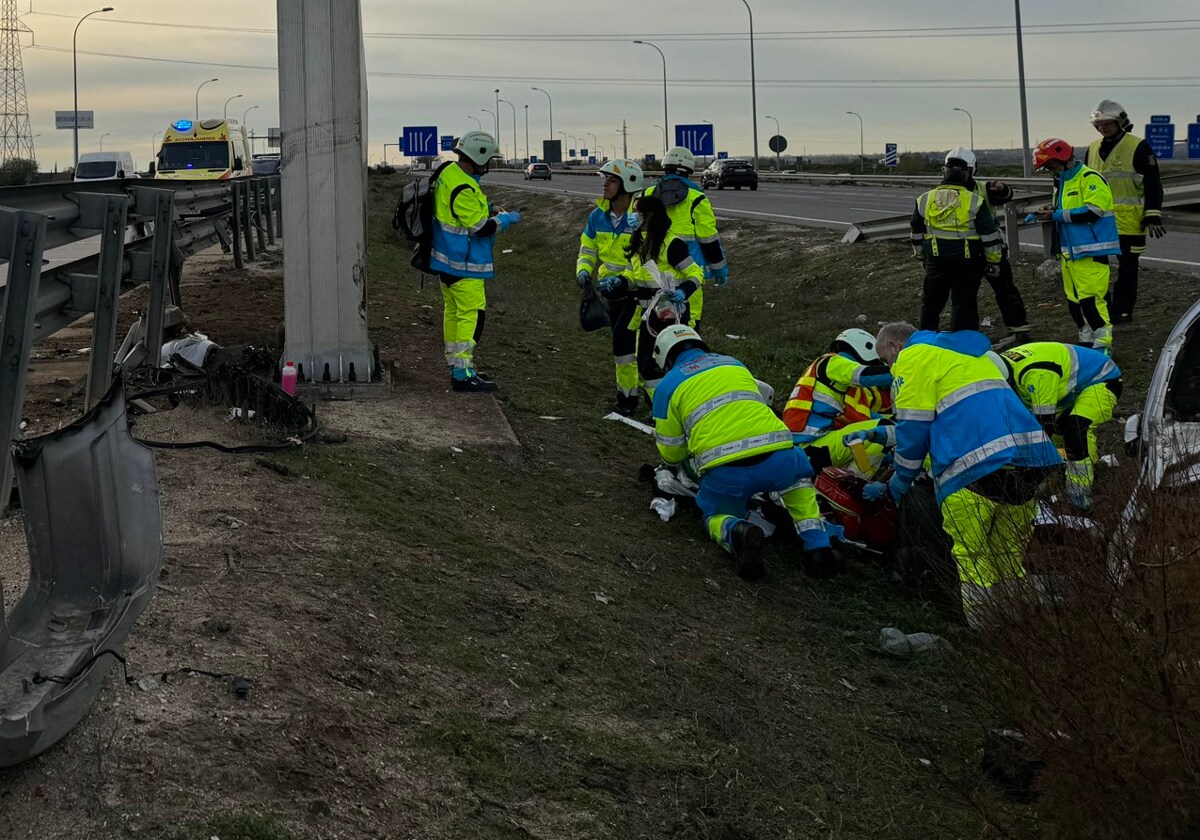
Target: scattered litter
506,251
770,305
602,598
986,323
236,413
712,584
83,351
1046,516
149,683
550,417
1109,461
629,421
1046,305
665,508
23,425
925,762
231,521
862,319
734,337
848,684
192,348
455,449
756,518
898,643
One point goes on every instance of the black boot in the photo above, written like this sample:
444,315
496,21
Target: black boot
746,540
474,385
626,406
822,563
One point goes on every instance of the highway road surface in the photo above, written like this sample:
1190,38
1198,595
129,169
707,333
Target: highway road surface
837,207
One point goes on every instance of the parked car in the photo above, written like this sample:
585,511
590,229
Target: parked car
535,171
266,164
105,166
729,172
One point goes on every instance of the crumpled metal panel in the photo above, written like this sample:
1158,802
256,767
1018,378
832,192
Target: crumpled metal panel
94,528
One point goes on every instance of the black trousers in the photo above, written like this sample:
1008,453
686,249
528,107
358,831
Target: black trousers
1122,298
1008,296
956,280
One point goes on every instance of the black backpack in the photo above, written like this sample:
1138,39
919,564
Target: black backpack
413,219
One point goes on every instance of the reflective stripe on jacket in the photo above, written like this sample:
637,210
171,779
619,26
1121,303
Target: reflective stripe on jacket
602,244
1049,375
954,406
709,406
1123,180
951,212
692,220
460,211
1087,226
672,263
830,394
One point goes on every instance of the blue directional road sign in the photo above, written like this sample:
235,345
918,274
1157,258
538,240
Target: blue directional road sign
533,158
1194,138
570,153
419,141
650,158
722,155
697,139
583,152
591,158
891,154
1160,134
447,142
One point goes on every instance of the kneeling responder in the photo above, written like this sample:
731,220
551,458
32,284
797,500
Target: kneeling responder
988,454
1070,390
603,259
709,407
846,390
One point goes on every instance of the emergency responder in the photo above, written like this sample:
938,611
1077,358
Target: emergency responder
464,228
1131,170
988,454
602,247
1070,390
846,390
1008,296
955,235
663,280
709,409
1087,234
692,220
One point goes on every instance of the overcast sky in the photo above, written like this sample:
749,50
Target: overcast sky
814,62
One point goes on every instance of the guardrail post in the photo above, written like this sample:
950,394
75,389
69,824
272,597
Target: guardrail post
235,227
259,214
159,279
271,189
1049,231
108,290
22,235
247,220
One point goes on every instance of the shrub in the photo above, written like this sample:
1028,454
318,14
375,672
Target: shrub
17,171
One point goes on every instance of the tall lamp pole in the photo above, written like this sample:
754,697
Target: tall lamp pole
550,104
497,116
514,113
75,76
527,133
102,136
227,101
478,124
971,122
154,144
862,157
245,114
1027,160
753,85
202,84
595,142
778,132
666,119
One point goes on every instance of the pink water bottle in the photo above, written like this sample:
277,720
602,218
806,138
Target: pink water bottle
288,380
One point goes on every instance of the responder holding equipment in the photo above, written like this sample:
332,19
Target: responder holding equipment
603,260
1131,169
464,229
1008,296
846,390
1087,234
988,454
955,235
709,407
692,220
1070,390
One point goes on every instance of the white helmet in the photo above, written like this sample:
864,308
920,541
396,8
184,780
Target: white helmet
962,154
628,171
1110,111
672,336
681,157
859,342
479,147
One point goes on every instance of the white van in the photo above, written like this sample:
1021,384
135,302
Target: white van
104,166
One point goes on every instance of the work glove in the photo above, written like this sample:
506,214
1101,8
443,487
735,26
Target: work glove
507,219
611,283
874,491
1152,221
720,276
677,296
880,434
895,487
582,278
992,270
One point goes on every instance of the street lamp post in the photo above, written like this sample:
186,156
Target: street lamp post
753,86
246,114
154,144
478,124
666,120
202,84
102,136
564,140
778,132
595,142
75,76
527,133
664,131
1026,159
971,122
497,116
514,115
862,157
227,101
550,105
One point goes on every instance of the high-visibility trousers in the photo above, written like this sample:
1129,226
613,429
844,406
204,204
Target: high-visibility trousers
1085,282
462,323
989,537
1077,429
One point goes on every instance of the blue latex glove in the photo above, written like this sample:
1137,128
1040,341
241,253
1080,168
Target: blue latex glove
877,435
874,491
1030,218
610,283
507,219
897,487
677,296
720,276
582,278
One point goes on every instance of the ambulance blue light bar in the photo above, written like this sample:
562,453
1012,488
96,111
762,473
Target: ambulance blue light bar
182,125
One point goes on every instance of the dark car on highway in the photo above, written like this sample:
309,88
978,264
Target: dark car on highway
537,170
729,173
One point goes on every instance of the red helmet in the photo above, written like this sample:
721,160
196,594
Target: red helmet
1052,149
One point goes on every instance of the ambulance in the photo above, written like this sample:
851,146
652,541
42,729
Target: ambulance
208,150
